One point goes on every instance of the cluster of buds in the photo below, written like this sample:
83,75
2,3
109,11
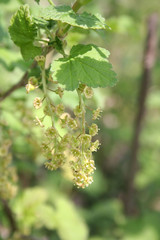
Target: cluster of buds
54,149
32,84
76,143
83,166
59,91
80,148
79,145
37,103
66,121
82,172
8,175
40,61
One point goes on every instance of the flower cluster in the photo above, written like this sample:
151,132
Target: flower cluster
8,175
80,147
83,165
77,143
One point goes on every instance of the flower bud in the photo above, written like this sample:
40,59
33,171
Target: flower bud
41,61
64,119
88,92
78,111
96,113
57,161
85,140
59,91
29,87
33,80
93,130
88,154
51,132
81,87
37,103
72,123
95,146
32,84
60,109
76,152
75,142
46,110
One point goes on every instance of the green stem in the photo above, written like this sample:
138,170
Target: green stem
49,33
76,6
82,106
65,30
47,96
48,101
41,40
51,3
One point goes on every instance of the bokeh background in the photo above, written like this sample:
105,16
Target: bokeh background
123,203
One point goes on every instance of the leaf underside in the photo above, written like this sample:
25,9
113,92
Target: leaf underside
87,64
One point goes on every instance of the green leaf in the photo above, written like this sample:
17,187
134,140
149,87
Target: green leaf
34,212
46,216
23,31
65,14
30,51
70,225
86,64
26,207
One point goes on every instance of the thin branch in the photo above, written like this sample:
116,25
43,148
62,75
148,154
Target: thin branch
10,216
21,83
149,60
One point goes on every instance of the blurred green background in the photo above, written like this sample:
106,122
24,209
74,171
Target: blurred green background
47,205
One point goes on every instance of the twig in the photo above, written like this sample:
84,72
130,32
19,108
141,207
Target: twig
10,216
149,59
21,83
